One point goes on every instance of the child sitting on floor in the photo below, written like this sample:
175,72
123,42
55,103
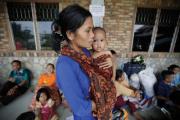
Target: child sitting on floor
126,94
44,108
163,88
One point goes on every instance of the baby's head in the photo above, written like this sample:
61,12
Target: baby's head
42,95
99,42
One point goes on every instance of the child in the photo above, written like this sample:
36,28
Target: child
44,106
125,93
47,79
163,88
106,85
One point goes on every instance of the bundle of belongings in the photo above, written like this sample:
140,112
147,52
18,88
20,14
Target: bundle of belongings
141,78
135,66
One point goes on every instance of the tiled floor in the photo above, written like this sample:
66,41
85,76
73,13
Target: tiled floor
20,105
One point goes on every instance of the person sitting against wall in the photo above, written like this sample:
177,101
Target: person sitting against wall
48,79
17,84
163,88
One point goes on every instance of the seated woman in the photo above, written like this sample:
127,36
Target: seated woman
48,79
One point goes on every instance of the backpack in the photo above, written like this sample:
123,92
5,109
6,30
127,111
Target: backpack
131,68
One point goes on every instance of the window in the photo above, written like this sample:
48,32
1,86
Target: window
177,47
45,15
1,34
22,20
145,29
167,23
20,16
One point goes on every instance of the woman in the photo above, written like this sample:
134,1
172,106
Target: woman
75,74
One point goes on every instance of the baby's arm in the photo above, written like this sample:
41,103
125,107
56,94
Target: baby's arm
107,63
98,54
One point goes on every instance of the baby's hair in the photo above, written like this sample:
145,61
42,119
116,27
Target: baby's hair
99,28
43,90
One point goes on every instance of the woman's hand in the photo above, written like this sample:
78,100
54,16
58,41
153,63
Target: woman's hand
94,109
93,106
107,64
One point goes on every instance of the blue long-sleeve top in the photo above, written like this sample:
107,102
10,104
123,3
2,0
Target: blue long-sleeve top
74,83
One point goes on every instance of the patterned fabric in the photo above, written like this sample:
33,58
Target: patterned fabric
103,91
107,73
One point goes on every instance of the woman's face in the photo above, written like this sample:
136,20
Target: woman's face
43,98
83,37
50,69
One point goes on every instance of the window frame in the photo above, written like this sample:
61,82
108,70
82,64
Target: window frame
155,30
34,21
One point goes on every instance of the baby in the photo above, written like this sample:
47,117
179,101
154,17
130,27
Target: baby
100,54
105,87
